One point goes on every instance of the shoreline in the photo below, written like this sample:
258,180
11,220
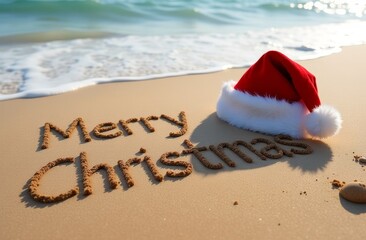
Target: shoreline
69,87
60,66
287,198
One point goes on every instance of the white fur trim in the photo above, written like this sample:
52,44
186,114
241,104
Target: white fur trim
324,121
273,116
260,114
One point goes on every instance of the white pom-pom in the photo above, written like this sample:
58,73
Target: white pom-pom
324,121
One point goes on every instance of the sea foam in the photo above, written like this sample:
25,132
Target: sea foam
41,69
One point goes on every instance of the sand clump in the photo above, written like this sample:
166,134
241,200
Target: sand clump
146,122
35,183
360,159
104,127
66,134
88,172
124,124
337,184
182,123
165,160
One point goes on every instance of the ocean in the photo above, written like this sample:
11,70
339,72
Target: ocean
54,46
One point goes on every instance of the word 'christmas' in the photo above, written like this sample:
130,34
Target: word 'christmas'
271,150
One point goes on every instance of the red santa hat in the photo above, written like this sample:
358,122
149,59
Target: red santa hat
277,96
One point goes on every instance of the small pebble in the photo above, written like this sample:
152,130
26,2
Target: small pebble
362,160
354,192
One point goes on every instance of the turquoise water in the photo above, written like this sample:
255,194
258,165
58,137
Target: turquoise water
53,46
146,17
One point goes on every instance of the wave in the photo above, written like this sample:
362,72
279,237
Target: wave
66,8
53,46
98,9
38,37
151,17
356,8
206,10
125,17
54,67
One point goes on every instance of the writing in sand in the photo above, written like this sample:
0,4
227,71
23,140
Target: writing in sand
272,149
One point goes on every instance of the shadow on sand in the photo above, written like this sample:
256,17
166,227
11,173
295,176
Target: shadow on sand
212,128
214,131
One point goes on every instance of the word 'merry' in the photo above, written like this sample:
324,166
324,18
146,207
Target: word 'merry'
100,130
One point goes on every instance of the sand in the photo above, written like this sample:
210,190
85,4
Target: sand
287,198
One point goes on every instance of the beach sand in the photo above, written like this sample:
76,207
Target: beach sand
288,198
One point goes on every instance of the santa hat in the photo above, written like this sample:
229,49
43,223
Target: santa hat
277,96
